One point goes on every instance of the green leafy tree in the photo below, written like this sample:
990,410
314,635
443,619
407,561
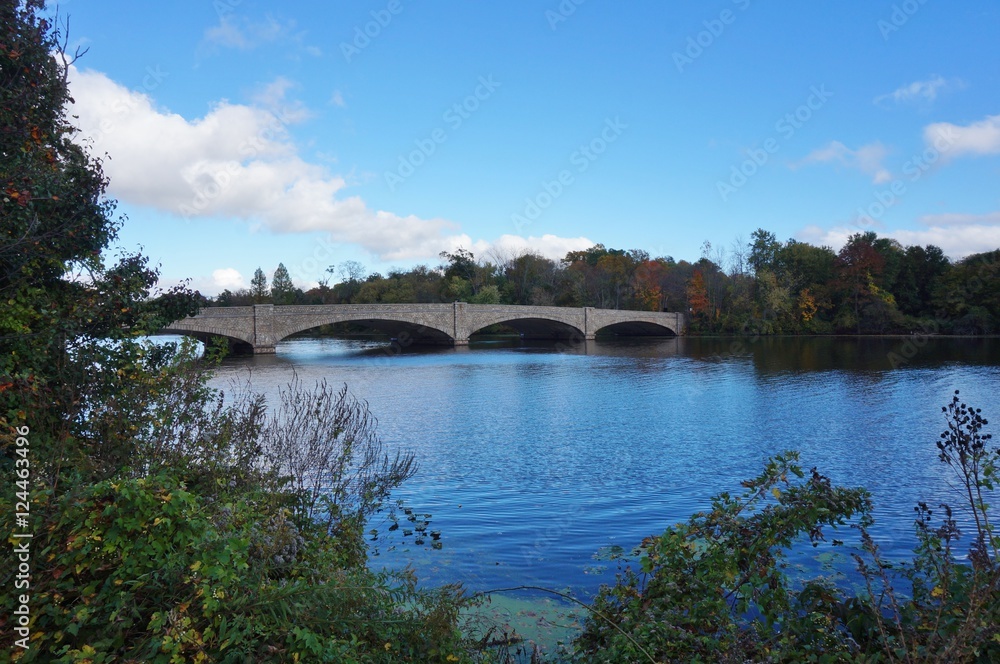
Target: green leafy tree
461,263
165,528
283,291
66,314
258,287
967,297
920,271
352,275
764,247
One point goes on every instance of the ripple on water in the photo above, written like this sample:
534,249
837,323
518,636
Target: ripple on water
532,460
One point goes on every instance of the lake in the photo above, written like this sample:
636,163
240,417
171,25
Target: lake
537,460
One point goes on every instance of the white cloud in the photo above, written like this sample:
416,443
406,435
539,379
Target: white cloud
826,237
223,279
239,162
227,277
867,159
549,246
918,91
955,219
978,138
273,97
337,99
245,34
956,239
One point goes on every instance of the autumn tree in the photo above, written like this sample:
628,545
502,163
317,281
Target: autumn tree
858,265
697,295
647,283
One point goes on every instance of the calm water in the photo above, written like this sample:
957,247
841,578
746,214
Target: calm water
535,460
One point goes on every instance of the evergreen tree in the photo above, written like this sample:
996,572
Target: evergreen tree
282,288
258,287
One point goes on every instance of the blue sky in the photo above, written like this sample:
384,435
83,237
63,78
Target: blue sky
244,133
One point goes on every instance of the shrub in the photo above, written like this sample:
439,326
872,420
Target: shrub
713,589
714,586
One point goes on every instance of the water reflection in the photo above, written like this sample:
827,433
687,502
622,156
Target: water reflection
534,455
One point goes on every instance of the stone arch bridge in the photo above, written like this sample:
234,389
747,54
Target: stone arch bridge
260,327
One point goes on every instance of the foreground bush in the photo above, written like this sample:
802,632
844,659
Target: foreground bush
169,523
230,533
142,570
713,589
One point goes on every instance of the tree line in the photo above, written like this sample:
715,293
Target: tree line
873,285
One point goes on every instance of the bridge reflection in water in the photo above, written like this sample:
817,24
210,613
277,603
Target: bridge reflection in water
260,327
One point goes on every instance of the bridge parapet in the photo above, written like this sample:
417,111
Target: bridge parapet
262,326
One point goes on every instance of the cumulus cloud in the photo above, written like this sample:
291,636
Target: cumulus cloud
867,159
227,277
918,91
549,246
956,241
978,138
827,237
239,162
957,235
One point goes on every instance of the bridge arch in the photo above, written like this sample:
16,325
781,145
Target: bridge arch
534,328
238,344
228,323
637,328
532,322
400,330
